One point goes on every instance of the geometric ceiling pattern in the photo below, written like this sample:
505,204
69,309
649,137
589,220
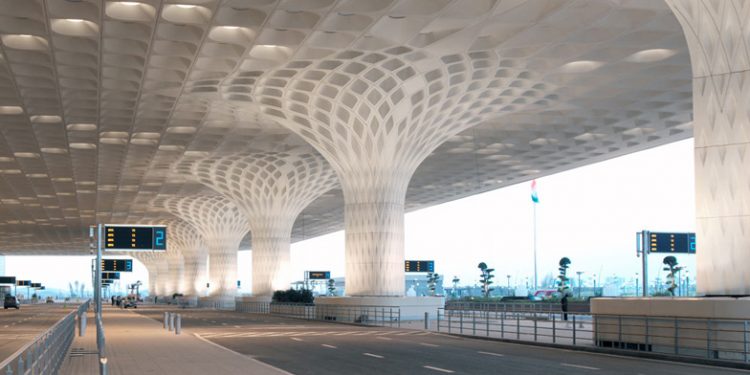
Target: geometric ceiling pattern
100,100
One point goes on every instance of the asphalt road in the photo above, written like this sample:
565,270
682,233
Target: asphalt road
18,327
302,347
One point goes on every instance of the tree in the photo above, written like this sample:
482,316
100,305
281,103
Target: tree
455,281
673,268
331,287
563,282
486,278
432,280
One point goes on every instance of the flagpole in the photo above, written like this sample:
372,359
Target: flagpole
535,272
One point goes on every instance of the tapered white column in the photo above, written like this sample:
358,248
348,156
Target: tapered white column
719,42
375,116
184,238
271,189
222,226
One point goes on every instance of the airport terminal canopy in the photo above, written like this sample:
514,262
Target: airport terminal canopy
101,100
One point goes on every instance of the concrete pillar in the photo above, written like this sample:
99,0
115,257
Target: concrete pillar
375,116
222,226
271,189
719,42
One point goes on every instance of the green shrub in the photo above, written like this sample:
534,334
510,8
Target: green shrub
293,296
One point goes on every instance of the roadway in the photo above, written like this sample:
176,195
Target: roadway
309,347
18,327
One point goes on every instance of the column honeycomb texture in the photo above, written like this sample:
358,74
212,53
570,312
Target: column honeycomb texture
271,189
718,36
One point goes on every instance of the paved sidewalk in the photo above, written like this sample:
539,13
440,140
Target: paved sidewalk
140,345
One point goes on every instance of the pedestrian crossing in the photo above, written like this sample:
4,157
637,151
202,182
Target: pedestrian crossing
266,334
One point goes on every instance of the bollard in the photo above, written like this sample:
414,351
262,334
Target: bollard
103,367
178,325
166,320
82,323
171,322
426,320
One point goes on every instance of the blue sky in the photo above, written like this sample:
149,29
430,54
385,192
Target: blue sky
589,214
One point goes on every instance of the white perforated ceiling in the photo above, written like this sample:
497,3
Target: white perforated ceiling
99,100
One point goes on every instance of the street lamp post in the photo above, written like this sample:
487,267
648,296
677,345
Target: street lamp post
579,273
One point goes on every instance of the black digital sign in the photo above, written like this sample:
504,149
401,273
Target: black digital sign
36,285
663,242
110,276
117,265
135,238
419,266
8,280
23,283
318,275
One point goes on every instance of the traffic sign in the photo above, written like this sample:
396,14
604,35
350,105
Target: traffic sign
8,280
419,266
666,242
135,237
110,276
117,265
318,275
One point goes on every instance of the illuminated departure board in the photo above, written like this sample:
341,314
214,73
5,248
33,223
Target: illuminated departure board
8,280
110,276
135,238
117,265
419,266
662,242
318,275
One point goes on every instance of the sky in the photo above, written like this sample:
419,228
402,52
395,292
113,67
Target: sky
589,214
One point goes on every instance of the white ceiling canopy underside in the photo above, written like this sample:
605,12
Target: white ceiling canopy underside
99,100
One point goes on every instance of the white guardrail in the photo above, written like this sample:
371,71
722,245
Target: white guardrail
46,352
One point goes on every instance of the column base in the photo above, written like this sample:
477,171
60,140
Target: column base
217,302
657,324
253,299
406,308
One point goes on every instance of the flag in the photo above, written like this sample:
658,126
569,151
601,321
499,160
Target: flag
534,195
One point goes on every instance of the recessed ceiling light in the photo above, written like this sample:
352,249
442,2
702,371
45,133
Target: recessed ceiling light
185,6
10,110
581,66
25,42
45,119
129,3
651,55
82,146
74,20
26,155
81,127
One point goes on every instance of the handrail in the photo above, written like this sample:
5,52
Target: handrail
41,353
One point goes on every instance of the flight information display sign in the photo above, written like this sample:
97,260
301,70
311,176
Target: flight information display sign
23,283
8,280
664,242
135,238
117,265
419,266
110,276
318,275
36,285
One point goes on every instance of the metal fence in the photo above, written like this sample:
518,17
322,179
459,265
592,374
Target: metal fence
519,306
711,339
386,316
46,352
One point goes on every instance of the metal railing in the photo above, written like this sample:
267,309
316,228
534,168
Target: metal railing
710,339
386,316
46,352
518,306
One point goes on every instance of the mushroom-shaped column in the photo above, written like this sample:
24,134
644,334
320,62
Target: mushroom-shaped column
222,226
271,189
185,239
375,116
719,43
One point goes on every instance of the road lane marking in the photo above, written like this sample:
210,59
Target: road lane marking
329,346
493,354
428,344
296,339
373,355
438,369
579,366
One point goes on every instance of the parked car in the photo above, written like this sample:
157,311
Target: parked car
50,300
130,303
11,301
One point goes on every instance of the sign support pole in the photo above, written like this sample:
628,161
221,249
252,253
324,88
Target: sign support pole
98,275
644,245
